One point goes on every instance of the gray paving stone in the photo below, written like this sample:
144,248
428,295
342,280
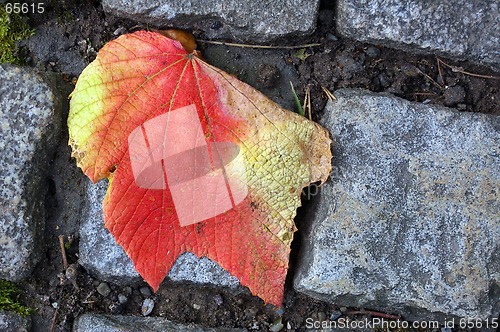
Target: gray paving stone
29,129
408,222
104,258
103,323
460,29
99,254
258,20
11,322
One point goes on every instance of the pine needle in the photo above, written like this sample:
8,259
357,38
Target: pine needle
256,46
328,94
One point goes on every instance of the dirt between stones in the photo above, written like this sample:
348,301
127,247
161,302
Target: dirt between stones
81,28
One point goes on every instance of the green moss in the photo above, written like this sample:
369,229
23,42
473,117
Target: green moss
9,294
12,29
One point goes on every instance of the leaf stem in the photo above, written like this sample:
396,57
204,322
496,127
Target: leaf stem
63,251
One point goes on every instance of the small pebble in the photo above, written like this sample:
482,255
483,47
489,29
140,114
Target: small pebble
119,31
145,291
331,37
321,316
335,315
218,299
147,307
372,51
276,326
103,289
196,306
122,299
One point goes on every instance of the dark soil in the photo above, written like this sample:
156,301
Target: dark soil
68,38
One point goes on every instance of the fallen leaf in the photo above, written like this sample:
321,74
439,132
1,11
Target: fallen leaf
302,54
197,161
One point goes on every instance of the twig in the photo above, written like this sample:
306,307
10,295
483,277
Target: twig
53,325
441,79
307,102
329,95
424,94
373,313
430,79
256,46
63,251
460,70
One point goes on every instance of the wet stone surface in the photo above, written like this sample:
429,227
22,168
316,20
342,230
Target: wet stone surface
29,124
464,30
102,323
14,322
235,18
408,222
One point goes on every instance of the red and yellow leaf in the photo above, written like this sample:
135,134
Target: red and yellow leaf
197,161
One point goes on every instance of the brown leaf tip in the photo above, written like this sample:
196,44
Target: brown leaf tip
185,38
